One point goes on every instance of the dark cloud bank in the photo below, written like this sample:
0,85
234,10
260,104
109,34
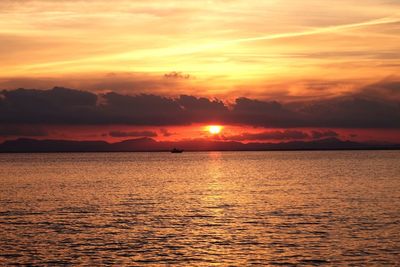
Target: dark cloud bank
375,106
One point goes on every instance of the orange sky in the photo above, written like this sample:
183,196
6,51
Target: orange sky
260,48
282,50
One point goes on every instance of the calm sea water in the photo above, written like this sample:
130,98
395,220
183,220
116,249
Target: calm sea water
201,209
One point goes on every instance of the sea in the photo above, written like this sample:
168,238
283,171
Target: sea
309,208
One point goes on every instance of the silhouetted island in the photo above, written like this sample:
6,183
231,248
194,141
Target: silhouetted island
149,144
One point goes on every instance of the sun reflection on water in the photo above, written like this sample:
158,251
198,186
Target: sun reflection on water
202,209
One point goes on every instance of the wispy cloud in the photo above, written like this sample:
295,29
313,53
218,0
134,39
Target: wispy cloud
225,44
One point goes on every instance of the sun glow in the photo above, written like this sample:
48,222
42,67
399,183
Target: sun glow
214,129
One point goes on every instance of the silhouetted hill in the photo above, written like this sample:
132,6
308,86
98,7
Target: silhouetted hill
139,144
149,144
32,145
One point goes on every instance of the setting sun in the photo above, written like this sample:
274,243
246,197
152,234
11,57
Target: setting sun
214,129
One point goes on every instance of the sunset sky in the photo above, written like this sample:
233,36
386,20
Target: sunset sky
273,70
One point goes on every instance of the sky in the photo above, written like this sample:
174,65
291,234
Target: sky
273,70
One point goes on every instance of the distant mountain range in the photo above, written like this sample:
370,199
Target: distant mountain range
149,144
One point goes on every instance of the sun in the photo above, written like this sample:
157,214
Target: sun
214,129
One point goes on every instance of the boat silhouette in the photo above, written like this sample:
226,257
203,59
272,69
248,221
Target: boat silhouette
175,150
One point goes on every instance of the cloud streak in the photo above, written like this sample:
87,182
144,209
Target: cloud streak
185,50
286,35
322,30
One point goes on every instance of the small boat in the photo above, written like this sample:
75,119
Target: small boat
175,150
